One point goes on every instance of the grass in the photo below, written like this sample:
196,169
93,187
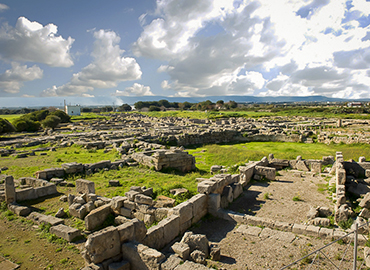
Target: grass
297,198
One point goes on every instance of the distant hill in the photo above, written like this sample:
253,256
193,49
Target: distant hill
19,102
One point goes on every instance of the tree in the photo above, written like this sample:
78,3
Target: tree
6,126
139,105
64,118
163,103
124,108
220,102
153,108
233,104
25,124
51,121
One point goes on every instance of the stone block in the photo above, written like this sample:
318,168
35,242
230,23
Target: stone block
97,217
206,187
214,252
184,210
19,210
126,232
171,262
140,229
85,186
185,226
10,195
326,233
131,195
154,237
160,213
283,226
77,210
125,212
181,249
171,228
26,194
102,245
142,257
65,232
299,229
341,177
214,203
143,199
316,166
268,172
199,203
312,230
73,167
237,189
117,202
301,166
44,219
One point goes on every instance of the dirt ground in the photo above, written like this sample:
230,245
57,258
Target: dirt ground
239,249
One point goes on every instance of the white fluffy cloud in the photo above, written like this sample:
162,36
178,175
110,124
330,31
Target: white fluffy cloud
3,7
12,80
289,47
135,90
33,42
107,69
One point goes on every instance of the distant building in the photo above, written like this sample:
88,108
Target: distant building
72,109
354,104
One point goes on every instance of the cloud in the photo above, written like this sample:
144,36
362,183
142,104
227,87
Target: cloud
12,80
3,7
30,41
107,69
135,90
289,47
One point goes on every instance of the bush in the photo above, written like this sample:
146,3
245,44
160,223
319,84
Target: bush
51,121
23,124
6,126
154,108
64,118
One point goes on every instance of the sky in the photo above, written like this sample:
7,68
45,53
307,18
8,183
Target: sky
177,48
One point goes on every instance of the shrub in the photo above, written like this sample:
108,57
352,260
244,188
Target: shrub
154,108
51,121
64,118
6,126
23,124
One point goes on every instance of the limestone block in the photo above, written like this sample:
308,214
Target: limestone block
122,265
171,228
206,187
299,229
65,232
142,257
367,256
189,265
149,219
117,202
26,194
237,189
268,172
181,249
91,197
10,195
199,203
143,199
40,218
97,217
131,195
362,159
324,222
196,241
89,207
214,203
312,230
326,233
102,245
19,210
367,173
126,232
126,212
77,210
215,252
85,186
184,210
184,226
316,166
140,229
301,165
154,237
283,226
365,213
129,204
365,202
171,263
198,256
341,177
160,213
73,167
79,200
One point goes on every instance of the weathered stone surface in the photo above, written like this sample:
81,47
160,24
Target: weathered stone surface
143,199
181,249
200,205
154,237
365,202
267,172
171,228
214,252
198,256
10,195
123,265
196,241
85,186
117,202
214,203
65,232
40,218
171,262
61,213
324,222
301,165
367,256
184,210
19,210
77,210
189,265
142,257
102,245
97,217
